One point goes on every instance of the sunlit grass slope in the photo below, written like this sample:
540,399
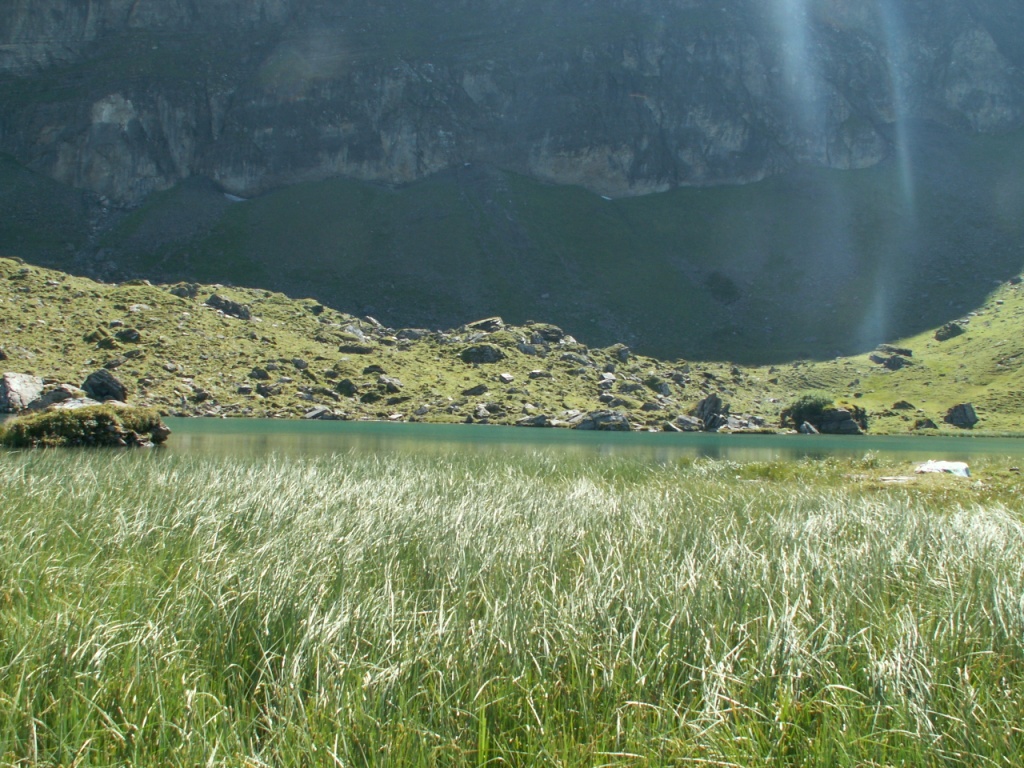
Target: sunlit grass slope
191,359
537,610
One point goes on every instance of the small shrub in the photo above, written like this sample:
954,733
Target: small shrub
808,407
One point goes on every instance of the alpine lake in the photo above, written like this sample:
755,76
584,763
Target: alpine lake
262,437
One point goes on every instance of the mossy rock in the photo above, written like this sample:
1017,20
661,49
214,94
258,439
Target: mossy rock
88,426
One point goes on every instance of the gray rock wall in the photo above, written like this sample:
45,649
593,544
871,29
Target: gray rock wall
126,97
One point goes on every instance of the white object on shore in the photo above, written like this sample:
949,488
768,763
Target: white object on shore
958,468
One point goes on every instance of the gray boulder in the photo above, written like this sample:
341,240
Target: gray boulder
949,331
546,334
962,416
839,421
712,412
603,421
481,354
103,385
487,325
58,394
229,307
319,413
683,423
18,390
534,421
412,334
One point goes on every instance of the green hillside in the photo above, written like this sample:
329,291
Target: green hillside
290,357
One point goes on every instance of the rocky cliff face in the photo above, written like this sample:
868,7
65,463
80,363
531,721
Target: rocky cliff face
125,97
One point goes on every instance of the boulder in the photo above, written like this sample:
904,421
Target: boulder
712,412
103,385
807,429
476,391
949,331
549,334
962,416
482,354
896,362
185,290
925,423
347,387
412,334
891,350
840,421
57,394
319,413
229,307
683,423
356,349
487,325
534,421
17,390
603,421
528,349
892,362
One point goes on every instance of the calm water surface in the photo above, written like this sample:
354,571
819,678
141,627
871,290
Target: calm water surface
259,437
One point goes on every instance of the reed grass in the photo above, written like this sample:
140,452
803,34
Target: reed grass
370,610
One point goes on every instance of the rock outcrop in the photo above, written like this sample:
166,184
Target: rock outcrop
18,391
842,421
962,416
102,385
125,97
949,331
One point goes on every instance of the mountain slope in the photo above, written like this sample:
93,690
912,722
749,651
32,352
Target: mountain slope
807,265
291,356
127,97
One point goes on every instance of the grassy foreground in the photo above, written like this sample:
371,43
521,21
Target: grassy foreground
539,610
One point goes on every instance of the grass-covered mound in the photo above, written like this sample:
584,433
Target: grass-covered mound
386,610
90,426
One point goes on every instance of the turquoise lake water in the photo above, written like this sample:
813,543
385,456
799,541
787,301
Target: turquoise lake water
257,437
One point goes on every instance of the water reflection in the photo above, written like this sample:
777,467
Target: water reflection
257,437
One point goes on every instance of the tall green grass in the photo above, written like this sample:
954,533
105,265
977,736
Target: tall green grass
360,610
